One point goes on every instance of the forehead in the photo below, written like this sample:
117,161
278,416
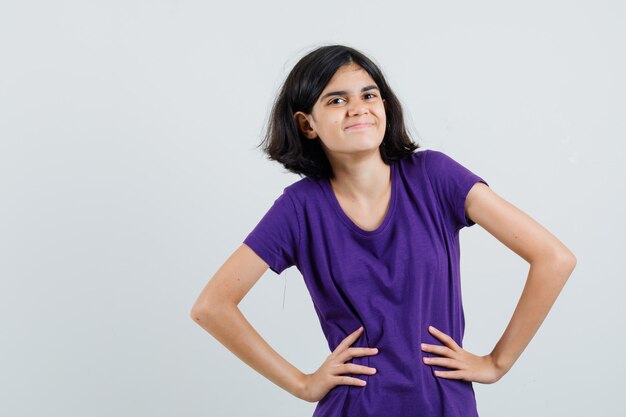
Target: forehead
347,75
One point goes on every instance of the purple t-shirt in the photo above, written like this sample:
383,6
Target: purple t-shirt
395,281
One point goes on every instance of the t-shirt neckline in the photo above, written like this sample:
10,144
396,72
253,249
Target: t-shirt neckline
348,221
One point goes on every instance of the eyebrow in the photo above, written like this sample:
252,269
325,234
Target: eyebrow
343,92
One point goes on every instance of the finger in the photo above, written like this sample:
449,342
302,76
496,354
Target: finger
451,374
348,380
361,351
351,368
439,350
350,339
353,352
445,362
447,340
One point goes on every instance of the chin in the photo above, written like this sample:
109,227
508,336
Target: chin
369,148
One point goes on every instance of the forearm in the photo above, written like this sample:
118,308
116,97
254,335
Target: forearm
545,281
229,326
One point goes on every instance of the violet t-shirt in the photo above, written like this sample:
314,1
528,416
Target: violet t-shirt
395,281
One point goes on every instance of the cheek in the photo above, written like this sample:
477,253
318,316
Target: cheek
383,119
380,111
335,124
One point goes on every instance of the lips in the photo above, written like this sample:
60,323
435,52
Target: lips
360,126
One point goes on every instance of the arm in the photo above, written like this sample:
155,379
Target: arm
551,264
216,311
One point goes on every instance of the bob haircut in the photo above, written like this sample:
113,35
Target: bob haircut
285,143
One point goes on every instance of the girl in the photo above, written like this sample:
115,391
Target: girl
373,226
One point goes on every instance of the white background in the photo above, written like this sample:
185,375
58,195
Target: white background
129,173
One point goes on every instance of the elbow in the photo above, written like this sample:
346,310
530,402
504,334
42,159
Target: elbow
569,259
573,261
205,312
566,262
200,313
560,261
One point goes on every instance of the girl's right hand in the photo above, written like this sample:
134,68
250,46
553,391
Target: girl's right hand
329,375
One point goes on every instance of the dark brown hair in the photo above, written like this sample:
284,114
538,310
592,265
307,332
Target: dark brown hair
283,141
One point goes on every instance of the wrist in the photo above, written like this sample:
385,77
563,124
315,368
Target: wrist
301,387
501,364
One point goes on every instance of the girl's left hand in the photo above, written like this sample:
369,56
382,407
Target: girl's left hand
469,367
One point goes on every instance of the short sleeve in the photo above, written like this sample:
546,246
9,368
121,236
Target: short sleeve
451,183
275,238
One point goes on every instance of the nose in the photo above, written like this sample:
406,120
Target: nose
358,107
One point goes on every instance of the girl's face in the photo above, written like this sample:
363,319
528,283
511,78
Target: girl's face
349,115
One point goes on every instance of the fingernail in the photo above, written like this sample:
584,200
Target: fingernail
375,350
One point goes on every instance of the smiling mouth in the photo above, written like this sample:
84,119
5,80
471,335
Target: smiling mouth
360,126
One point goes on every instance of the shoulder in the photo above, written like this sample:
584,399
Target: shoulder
443,171
303,190
438,163
434,158
413,164
416,158
302,186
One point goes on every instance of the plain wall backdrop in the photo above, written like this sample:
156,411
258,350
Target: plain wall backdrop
129,173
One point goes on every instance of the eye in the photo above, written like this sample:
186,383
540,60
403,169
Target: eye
370,94
333,100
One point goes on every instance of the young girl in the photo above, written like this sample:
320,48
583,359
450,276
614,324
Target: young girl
374,229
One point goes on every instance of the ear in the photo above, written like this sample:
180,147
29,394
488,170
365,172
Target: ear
302,120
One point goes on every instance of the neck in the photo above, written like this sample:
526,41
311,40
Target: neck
363,181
